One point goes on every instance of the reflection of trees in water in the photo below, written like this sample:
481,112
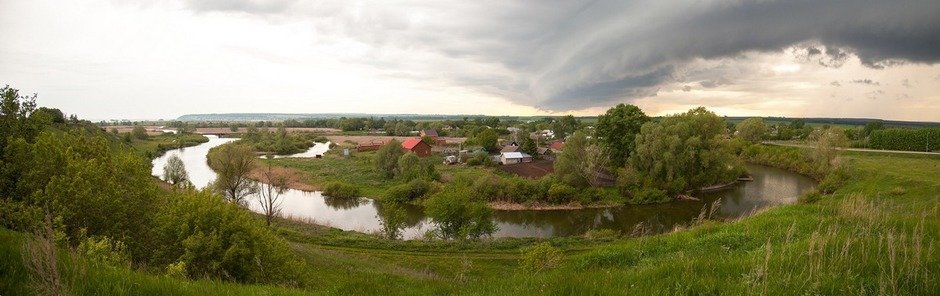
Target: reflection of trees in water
413,214
342,203
393,218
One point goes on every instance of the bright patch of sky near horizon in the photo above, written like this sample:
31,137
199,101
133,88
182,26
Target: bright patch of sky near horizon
104,59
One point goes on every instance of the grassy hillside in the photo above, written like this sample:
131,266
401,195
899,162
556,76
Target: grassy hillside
876,235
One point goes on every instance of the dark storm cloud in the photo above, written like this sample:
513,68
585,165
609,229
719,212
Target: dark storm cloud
571,55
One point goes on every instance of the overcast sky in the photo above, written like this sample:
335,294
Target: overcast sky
161,59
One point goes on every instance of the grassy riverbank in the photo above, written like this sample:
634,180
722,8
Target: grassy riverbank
877,234
156,145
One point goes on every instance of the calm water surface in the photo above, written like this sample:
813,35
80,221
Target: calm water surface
770,187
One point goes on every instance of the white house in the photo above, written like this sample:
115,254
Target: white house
514,157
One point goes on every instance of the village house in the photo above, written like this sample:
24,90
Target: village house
556,146
429,133
512,147
417,146
514,157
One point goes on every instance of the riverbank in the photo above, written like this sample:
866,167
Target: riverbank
157,145
892,200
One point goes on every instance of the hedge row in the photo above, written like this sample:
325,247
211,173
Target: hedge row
923,139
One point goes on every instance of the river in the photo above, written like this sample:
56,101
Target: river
770,187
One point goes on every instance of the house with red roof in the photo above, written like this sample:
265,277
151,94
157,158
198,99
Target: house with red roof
417,146
556,146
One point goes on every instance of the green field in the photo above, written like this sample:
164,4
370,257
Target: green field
878,234
358,170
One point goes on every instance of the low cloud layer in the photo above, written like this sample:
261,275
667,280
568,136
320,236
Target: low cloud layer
576,54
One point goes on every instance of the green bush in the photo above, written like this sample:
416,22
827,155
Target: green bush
104,250
320,139
648,196
834,180
922,139
408,192
340,190
217,239
561,193
541,257
459,215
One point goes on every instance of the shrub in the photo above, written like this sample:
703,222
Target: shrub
340,190
140,133
104,250
561,193
834,179
408,192
411,167
217,239
648,196
320,139
922,139
541,257
480,159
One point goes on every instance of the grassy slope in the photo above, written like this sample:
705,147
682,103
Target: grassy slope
840,245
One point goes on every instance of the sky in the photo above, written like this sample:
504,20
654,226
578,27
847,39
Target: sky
134,59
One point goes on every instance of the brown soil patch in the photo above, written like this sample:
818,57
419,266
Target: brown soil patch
535,169
151,130
295,178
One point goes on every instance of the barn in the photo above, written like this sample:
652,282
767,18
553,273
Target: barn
417,146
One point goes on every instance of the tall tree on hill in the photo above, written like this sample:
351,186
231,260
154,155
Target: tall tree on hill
617,130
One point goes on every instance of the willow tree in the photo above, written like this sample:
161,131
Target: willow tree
386,158
174,172
233,163
684,151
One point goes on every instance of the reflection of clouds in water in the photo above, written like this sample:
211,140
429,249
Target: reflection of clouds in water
316,149
194,158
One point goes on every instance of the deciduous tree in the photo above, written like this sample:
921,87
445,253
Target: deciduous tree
386,159
174,172
233,163
617,129
751,129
